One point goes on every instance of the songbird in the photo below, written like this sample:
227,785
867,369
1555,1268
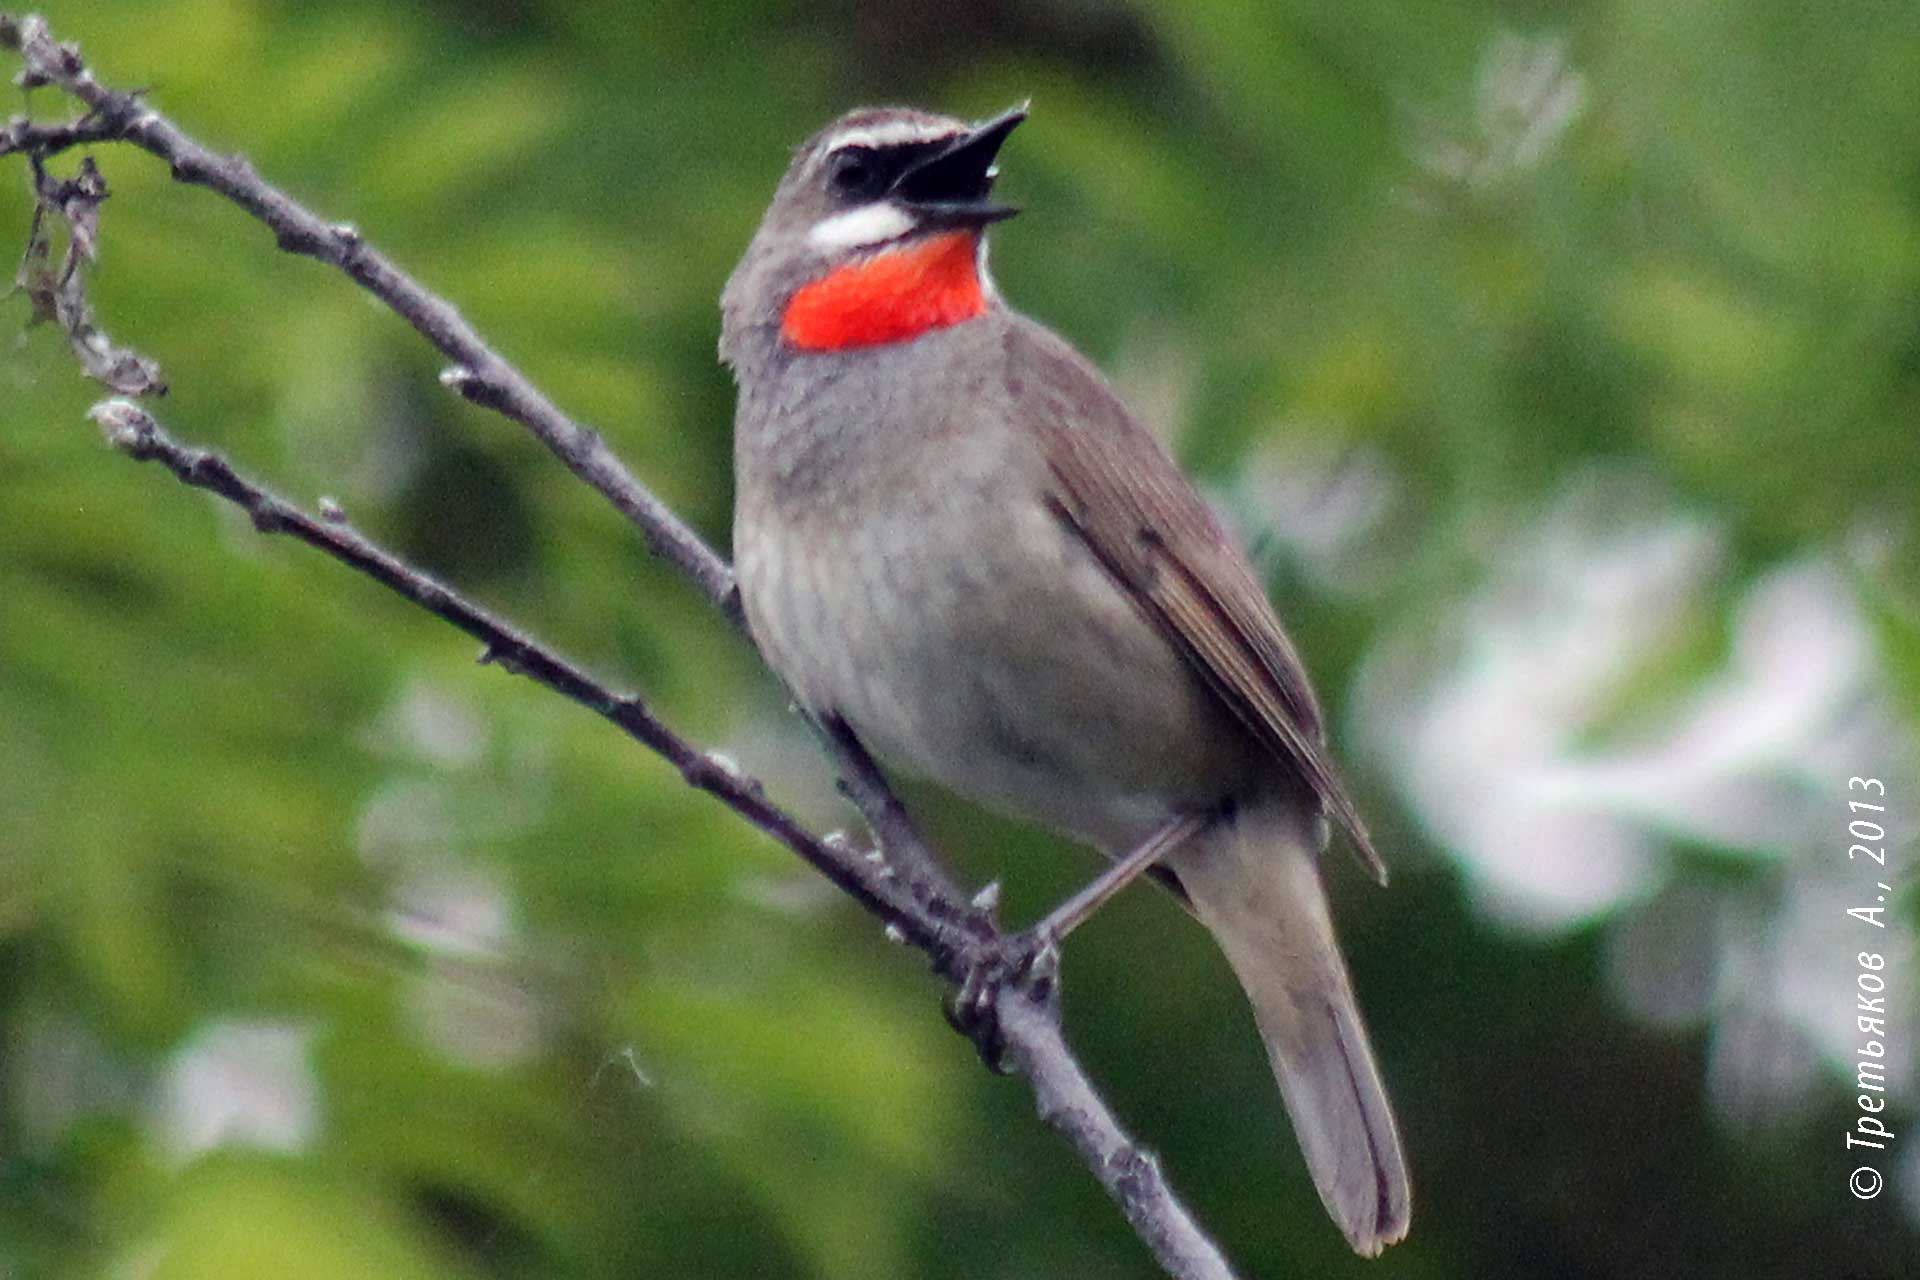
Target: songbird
953,539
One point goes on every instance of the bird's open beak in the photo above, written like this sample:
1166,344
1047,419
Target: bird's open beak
951,186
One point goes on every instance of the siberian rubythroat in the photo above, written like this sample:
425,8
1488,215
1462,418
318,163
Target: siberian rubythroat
952,537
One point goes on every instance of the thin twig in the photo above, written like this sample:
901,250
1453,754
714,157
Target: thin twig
58,291
862,782
479,373
22,134
1067,1101
908,888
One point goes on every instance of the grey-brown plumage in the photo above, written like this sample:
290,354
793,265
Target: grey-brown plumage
965,547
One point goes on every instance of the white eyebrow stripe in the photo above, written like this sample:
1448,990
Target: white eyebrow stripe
892,134
870,224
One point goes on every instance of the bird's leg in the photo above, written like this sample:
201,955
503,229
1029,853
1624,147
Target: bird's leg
1032,955
1123,871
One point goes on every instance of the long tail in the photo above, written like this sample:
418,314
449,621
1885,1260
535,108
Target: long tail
1256,887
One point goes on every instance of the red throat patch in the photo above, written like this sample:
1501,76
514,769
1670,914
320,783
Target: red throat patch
890,297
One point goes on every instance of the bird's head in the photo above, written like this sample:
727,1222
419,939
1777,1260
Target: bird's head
875,233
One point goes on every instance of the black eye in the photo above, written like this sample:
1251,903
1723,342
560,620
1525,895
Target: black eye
856,174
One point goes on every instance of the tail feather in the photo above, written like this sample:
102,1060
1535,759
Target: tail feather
1255,885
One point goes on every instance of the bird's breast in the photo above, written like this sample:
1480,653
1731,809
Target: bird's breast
928,596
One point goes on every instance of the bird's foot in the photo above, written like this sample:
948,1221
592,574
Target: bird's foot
1028,961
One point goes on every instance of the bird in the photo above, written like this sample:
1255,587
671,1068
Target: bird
954,541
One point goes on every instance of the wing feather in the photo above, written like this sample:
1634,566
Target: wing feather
1118,491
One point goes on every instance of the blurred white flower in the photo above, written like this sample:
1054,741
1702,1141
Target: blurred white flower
1526,97
451,909
474,1014
455,789
1319,504
237,1083
1481,714
465,1001
1495,721
451,784
1511,726
429,724
407,817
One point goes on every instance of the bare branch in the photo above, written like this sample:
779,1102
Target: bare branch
862,782
43,140
479,373
1016,1010
1069,1105
59,293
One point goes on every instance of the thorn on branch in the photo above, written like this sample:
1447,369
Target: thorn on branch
716,771
339,243
485,392
504,654
126,425
30,78
881,867
44,61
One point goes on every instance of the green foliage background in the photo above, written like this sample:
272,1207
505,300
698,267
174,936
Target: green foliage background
225,764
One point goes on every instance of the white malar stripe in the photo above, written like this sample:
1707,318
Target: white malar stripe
892,134
860,228
987,286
